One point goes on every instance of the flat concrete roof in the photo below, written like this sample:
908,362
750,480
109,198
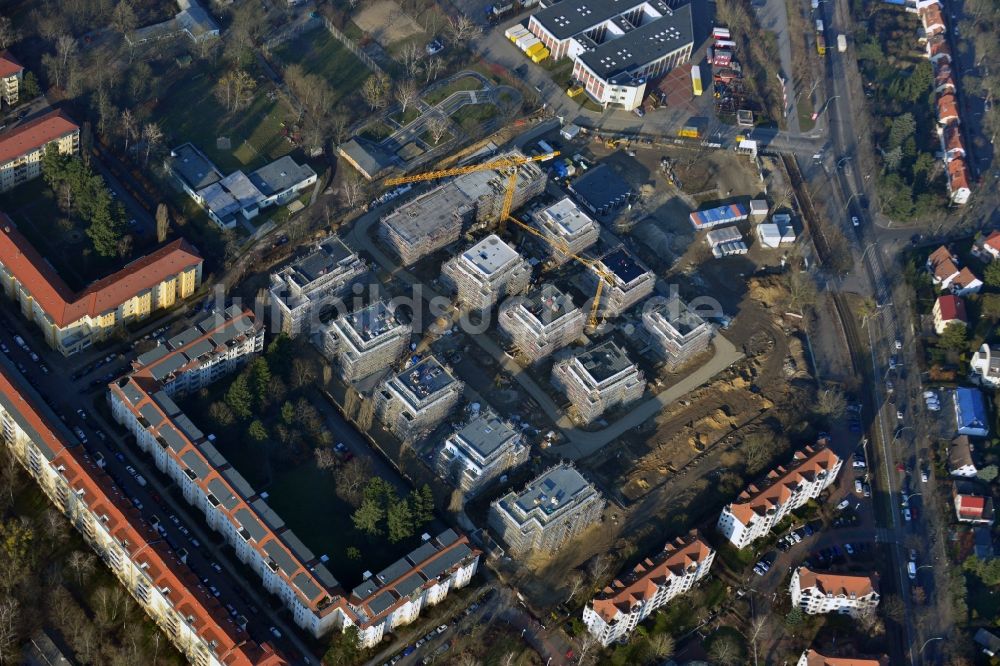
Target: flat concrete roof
491,255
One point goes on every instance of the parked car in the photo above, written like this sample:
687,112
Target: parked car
907,516
849,548
923,476
858,488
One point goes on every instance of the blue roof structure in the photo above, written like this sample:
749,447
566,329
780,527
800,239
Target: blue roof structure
970,413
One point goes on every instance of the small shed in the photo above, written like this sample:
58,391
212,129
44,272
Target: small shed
758,210
569,132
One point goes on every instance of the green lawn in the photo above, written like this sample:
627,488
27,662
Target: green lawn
471,115
442,93
412,113
189,112
319,53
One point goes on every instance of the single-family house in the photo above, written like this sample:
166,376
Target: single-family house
960,461
976,509
988,641
991,245
948,309
942,267
966,283
947,109
985,365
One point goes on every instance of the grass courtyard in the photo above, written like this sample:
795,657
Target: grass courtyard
60,239
255,133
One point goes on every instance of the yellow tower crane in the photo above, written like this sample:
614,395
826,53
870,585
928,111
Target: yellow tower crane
508,201
492,165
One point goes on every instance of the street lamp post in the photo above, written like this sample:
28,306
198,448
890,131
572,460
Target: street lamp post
929,640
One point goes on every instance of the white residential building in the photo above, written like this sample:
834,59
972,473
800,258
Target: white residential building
485,273
615,613
307,286
542,322
676,333
817,593
196,357
366,341
759,508
418,399
479,452
598,379
142,562
260,538
11,73
555,507
572,231
985,365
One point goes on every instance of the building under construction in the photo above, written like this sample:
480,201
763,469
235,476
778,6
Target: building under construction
301,290
472,200
418,399
572,230
486,447
542,322
631,281
676,333
598,379
485,273
365,342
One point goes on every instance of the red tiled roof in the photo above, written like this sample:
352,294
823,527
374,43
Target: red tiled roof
941,263
837,584
932,18
958,174
9,65
964,278
993,241
971,505
807,464
946,107
35,134
65,307
233,646
814,658
937,46
644,579
953,139
951,308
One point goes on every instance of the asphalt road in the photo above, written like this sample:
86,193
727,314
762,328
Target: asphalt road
235,586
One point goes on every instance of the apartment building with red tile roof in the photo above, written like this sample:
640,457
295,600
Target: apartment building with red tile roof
813,658
142,403
760,507
615,612
11,72
21,148
192,619
73,321
818,592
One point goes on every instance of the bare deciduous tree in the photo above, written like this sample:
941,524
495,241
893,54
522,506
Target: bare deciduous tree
129,127
437,126
8,33
123,18
406,94
432,68
375,91
324,458
152,136
162,222
462,28
352,190
10,617
410,58
82,564
724,651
